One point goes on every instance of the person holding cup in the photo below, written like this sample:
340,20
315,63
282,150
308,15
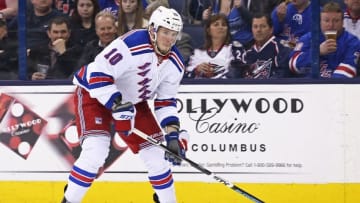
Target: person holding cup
339,50
41,70
57,58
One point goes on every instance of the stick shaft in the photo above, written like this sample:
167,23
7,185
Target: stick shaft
199,167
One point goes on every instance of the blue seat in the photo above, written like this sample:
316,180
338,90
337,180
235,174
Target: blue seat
178,5
197,34
181,6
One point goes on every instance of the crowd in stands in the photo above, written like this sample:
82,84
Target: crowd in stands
249,39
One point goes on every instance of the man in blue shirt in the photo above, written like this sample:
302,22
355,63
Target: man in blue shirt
339,56
292,20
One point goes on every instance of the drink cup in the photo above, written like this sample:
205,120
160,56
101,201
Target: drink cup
330,34
65,8
42,68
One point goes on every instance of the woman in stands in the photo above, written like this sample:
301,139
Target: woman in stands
83,21
212,61
131,16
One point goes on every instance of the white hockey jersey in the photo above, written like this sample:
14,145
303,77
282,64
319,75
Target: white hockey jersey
352,25
221,61
129,67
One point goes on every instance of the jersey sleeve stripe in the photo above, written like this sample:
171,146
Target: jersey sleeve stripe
144,48
176,59
179,65
346,70
99,79
292,62
164,103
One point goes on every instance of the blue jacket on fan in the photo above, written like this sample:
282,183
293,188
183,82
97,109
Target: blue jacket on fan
340,64
294,25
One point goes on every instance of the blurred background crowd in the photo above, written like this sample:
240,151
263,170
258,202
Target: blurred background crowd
248,39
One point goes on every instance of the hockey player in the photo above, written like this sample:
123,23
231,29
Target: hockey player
138,66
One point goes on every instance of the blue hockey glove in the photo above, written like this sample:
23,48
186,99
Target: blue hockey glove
177,143
124,116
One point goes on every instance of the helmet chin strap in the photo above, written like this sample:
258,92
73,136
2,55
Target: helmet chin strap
157,49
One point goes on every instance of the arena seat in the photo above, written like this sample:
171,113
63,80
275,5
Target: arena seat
197,34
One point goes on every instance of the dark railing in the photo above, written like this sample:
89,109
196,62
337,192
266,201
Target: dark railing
285,81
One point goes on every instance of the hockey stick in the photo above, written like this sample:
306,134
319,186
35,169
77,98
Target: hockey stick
200,168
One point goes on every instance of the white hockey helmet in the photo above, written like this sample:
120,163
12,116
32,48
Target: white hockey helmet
166,17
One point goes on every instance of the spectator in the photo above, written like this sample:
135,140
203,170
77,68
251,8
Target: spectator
339,52
352,17
83,21
8,55
184,45
212,61
261,6
37,20
147,2
131,16
66,7
196,9
111,6
8,9
340,2
240,23
182,8
106,31
57,59
217,6
238,16
267,57
154,5
292,20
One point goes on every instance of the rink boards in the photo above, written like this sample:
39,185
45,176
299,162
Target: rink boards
112,192
281,143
